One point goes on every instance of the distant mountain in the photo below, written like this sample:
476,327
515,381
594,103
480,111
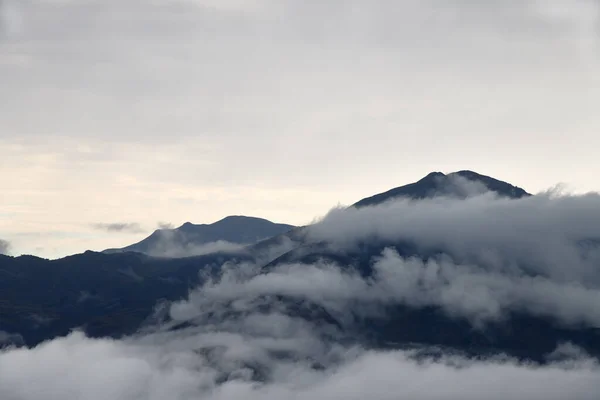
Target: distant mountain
190,239
104,294
460,184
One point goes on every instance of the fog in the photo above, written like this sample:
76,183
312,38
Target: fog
79,368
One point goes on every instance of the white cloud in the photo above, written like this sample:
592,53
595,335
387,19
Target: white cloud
540,232
76,367
172,248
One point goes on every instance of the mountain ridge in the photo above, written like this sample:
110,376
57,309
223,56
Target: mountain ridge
189,237
437,183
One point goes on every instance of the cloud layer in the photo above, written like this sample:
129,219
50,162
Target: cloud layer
129,227
76,367
173,248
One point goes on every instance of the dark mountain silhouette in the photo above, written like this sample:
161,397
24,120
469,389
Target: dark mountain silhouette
453,184
189,238
114,294
104,294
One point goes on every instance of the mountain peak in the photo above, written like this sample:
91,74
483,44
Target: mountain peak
433,175
240,218
189,237
440,184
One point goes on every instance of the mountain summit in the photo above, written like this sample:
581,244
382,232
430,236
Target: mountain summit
461,184
192,239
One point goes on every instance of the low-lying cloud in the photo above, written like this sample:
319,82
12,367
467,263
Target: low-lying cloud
462,290
76,367
165,225
547,234
487,255
124,227
173,249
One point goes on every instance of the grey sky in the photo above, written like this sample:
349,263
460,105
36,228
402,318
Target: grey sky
119,227
139,110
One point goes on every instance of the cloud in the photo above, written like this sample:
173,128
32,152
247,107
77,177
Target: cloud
581,18
10,339
172,248
11,21
173,244
126,371
125,227
165,225
467,291
545,232
483,257
4,247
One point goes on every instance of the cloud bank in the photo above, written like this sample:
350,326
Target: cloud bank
170,247
165,225
76,367
125,227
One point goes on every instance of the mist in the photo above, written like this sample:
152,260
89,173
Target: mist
4,247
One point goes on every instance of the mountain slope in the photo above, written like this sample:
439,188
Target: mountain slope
105,294
459,184
190,239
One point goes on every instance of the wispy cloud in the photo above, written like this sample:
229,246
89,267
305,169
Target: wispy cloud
124,227
169,247
4,247
11,20
165,225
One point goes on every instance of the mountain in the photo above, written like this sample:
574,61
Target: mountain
190,239
115,293
459,184
104,294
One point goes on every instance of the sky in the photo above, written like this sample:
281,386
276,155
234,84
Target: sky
117,116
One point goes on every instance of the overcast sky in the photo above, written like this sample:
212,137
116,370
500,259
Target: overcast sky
127,113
